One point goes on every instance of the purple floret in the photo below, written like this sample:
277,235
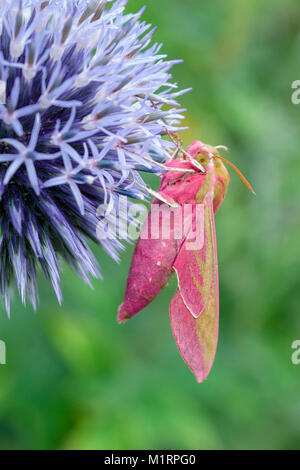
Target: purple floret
85,103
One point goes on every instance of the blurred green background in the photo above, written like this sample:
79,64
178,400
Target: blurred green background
74,379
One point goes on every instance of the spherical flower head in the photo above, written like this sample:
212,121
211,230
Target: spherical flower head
82,111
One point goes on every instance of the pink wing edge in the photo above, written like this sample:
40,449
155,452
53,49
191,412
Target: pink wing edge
184,324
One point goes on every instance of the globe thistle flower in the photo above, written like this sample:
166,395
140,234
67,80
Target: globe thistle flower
82,111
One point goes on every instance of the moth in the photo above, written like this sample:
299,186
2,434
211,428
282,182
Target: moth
188,250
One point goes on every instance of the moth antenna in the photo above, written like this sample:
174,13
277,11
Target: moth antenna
222,147
245,181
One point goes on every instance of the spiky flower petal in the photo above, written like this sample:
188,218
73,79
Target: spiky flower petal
82,95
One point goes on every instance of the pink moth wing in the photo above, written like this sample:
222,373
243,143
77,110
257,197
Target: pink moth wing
194,309
152,264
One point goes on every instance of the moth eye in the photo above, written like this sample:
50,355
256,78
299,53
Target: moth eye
202,159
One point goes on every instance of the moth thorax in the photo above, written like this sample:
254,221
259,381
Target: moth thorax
221,183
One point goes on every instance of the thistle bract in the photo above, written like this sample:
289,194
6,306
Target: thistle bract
82,110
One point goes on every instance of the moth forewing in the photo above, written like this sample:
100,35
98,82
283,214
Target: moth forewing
198,295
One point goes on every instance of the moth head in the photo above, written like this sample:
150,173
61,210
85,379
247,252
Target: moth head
203,153
207,154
